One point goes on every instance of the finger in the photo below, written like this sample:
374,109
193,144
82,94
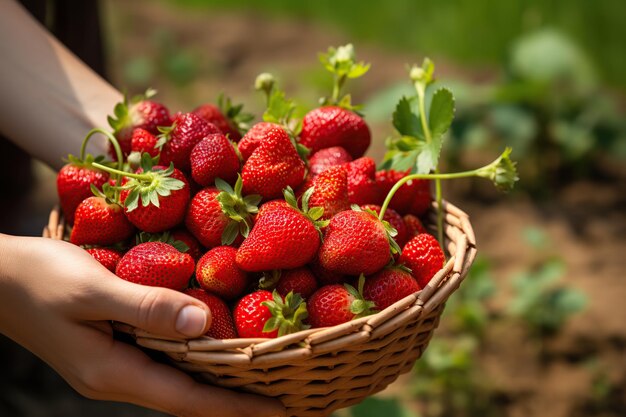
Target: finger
130,376
157,310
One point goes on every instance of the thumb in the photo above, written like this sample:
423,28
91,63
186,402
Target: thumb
157,310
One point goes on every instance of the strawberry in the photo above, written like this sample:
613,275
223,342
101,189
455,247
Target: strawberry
328,157
273,166
228,118
218,273
299,281
413,197
137,113
336,304
413,225
217,216
282,237
266,314
394,219
169,238
255,136
100,222
423,256
108,257
325,276
329,126
356,242
184,236
362,187
156,264
143,141
155,199
177,141
74,182
214,157
222,325
389,285
331,191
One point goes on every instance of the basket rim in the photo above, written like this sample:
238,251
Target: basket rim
459,242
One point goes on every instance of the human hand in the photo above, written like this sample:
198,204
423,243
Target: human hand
57,301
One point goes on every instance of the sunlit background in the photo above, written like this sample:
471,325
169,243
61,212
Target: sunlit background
537,328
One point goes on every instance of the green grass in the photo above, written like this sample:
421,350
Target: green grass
469,31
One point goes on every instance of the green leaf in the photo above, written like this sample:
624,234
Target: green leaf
428,156
316,213
279,108
441,112
132,200
230,233
406,122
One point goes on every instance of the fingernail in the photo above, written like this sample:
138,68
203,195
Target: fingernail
191,321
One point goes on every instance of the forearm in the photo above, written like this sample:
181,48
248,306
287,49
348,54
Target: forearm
49,98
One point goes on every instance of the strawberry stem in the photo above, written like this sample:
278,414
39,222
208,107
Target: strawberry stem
114,171
116,146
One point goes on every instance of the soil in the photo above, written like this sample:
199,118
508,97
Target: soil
585,220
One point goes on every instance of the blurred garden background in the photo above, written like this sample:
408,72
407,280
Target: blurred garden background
537,329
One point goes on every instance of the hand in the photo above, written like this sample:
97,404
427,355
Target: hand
57,301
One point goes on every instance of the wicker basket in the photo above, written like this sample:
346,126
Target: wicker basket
316,371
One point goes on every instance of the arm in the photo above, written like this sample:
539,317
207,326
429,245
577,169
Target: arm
49,98
56,300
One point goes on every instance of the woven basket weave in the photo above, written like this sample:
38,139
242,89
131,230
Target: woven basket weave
316,371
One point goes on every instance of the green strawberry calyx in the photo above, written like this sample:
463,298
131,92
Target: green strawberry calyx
270,279
342,64
389,229
360,307
287,315
314,214
165,237
148,186
122,117
238,208
164,135
238,118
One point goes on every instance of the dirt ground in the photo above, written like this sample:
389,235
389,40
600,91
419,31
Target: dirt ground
585,221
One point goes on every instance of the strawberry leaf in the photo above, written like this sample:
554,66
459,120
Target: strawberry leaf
287,315
230,233
406,122
441,112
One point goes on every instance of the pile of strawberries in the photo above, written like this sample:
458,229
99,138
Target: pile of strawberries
275,227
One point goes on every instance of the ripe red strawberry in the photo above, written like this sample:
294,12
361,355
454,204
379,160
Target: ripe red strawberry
227,117
74,182
325,276
138,113
222,325
100,222
251,315
423,256
266,314
362,187
282,237
177,141
273,166
255,136
413,225
331,191
214,157
356,242
299,281
183,235
155,199
394,219
221,216
328,157
106,256
336,304
329,126
143,141
156,264
218,273
413,197
205,218
388,286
